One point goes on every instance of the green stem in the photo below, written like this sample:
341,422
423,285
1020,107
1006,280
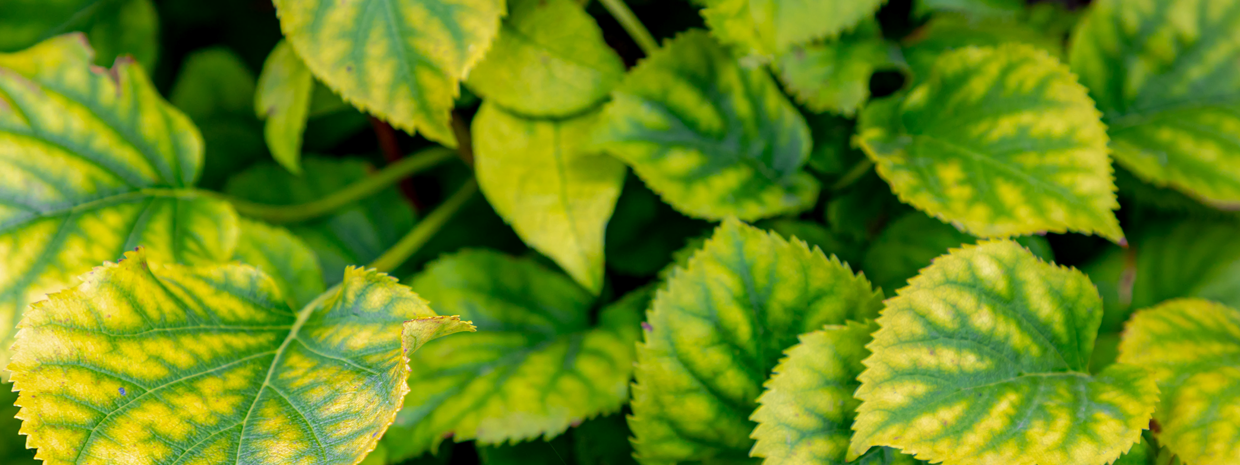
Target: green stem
361,189
425,229
856,172
629,21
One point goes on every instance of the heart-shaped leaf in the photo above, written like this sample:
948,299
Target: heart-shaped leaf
835,75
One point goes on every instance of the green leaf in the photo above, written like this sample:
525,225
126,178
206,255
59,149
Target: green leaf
644,233
75,195
536,367
551,451
400,60
1000,141
984,358
556,193
1193,348
717,329
145,363
13,449
772,27
354,235
215,89
603,441
835,76
989,9
284,258
1162,74
945,33
113,27
549,60
816,235
283,99
712,138
864,209
832,153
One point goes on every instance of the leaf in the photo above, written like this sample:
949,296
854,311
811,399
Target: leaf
537,365
1000,141
1193,348
113,27
355,234
283,99
556,193
548,452
75,195
772,27
13,449
711,138
145,363
400,60
983,359
832,153
284,258
945,33
548,61
718,328
1161,72
989,9
816,235
644,233
603,441
835,76
215,89
860,212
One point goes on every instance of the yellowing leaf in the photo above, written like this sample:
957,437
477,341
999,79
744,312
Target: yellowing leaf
284,258
983,360
1193,348
536,367
556,195
93,162
401,60
114,27
1000,141
549,60
716,331
149,364
283,99
1163,74
944,33
772,27
835,75
713,139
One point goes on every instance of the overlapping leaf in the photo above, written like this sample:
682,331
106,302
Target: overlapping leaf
401,60
540,177
1000,141
712,138
835,75
772,27
717,330
283,99
536,367
1193,348
1162,72
147,364
113,27
282,257
215,89
945,33
984,358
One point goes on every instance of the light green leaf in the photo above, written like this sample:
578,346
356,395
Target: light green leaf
113,27
215,89
75,195
983,359
1162,72
712,138
400,60
717,329
284,258
772,27
549,60
1000,141
536,367
146,363
556,193
283,99
353,235
835,75
1193,348
945,33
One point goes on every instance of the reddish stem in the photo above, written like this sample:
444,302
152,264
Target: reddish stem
390,147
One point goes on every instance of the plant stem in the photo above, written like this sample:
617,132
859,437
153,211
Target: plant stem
425,229
629,21
361,189
856,172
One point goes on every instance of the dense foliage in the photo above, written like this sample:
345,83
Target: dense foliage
970,232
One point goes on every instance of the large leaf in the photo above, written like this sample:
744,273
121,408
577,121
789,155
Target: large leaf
944,33
92,163
536,367
718,329
1162,72
146,363
284,258
1001,141
714,139
549,60
772,27
215,89
835,75
556,194
1193,348
984,358
283,99
401,60
114,27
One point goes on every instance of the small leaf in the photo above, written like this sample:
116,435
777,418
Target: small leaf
115,28
717,329
712,138
542,180
283,99
772,27
536,367
284,258
400,60
835,75
146,364
983,359
1000,141
1193,348
1162,74
549,60
215,89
